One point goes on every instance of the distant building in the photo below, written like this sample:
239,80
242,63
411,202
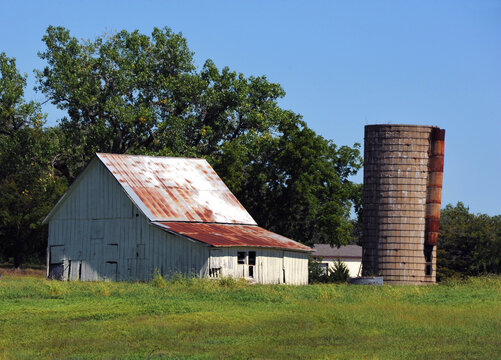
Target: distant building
351,255
126,216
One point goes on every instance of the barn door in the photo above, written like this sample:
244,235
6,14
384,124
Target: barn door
56,262
216,263
252,264
111,265
111,271
96,259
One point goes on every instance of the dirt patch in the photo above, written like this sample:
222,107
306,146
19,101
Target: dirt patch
6,270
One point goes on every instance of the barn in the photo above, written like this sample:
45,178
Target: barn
127,216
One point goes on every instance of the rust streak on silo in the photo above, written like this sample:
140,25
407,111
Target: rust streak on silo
434,186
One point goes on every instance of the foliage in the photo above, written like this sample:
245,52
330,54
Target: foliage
317,274
158,280
339,272
468,244
28,187
202,319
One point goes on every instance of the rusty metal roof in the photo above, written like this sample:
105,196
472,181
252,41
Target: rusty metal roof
176,189
232,235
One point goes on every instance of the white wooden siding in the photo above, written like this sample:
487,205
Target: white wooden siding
271,264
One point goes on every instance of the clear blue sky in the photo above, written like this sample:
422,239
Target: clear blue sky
343,64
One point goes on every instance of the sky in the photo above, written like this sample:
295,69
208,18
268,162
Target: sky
343,65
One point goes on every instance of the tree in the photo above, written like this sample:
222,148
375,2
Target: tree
133,93
28,188
468,244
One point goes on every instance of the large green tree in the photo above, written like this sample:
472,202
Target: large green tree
28,187
468,244
132,93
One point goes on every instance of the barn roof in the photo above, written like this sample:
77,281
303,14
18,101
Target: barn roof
176,189
232,235
187,197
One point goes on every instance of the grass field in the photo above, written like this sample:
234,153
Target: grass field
198,319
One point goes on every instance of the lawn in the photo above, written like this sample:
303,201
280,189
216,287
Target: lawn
202,319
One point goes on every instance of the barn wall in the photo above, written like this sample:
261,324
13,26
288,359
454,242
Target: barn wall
171,254
272,266
98,234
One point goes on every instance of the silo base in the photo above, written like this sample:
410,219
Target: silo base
366,280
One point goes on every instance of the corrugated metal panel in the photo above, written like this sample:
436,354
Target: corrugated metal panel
232,235
176,189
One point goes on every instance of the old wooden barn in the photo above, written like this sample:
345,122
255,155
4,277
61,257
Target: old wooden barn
126,216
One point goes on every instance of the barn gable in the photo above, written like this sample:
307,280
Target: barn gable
93,195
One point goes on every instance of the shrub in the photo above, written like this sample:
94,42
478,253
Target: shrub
228,282
316,273
339,272
158,280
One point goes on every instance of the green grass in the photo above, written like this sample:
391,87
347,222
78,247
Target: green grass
199,319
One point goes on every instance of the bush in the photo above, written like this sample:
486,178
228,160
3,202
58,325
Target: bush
317,274
339,272
158,280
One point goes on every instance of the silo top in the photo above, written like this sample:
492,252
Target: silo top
396,127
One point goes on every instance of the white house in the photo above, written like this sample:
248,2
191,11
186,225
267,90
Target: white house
126,216
351,255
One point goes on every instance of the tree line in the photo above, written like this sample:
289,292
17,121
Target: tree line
468,244
132,93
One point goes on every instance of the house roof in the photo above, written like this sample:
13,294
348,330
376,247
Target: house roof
176,189
343,252
232,235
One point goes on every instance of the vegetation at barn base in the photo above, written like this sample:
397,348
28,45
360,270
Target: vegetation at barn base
201,319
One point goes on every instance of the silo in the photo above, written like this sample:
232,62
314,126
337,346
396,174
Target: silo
403,167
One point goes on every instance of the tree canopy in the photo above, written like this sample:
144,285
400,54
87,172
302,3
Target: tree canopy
468,244
133,93
28,187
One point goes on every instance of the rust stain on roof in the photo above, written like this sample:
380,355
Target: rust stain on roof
232,235
176,189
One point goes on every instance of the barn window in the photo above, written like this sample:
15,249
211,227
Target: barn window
252,258
214,272
241,257
252,262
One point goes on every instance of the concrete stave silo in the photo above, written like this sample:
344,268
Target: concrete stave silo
403,167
